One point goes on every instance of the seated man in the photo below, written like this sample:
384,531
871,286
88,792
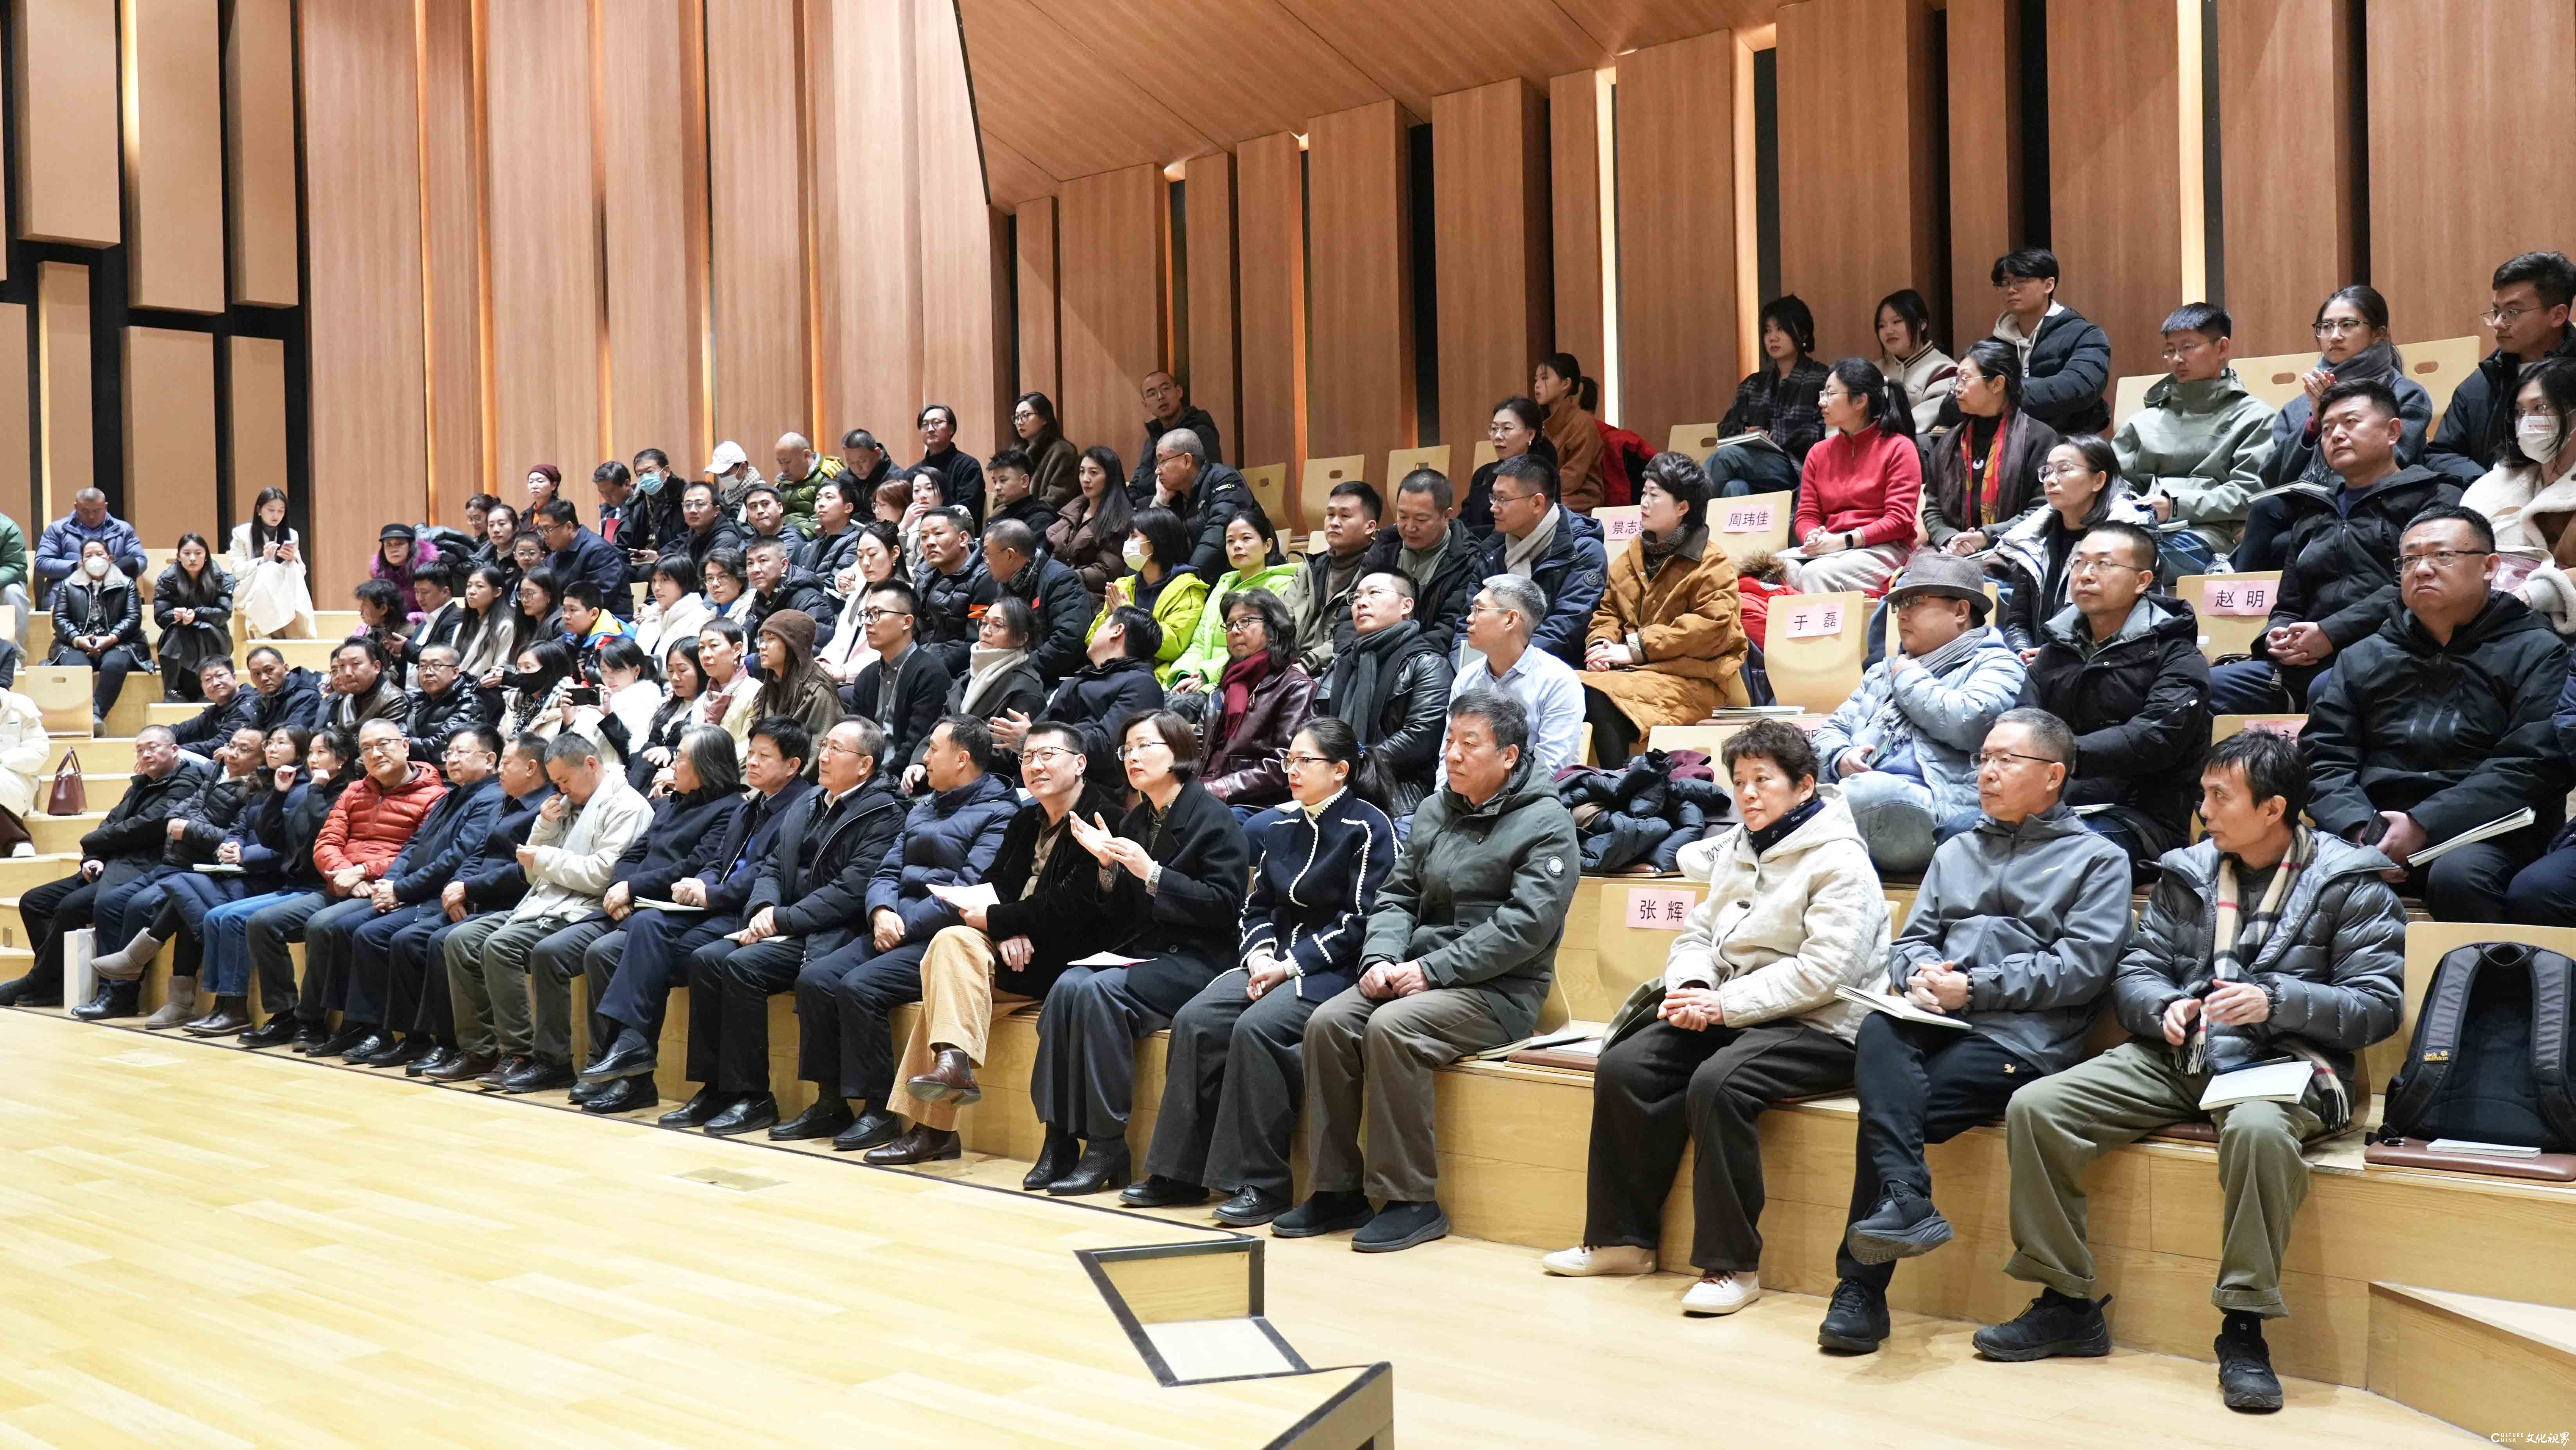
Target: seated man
2065,356
833,551
442,614
1434,550
2267,939
441,703
1207,492
1391,685
1460,949
764,516
361,691
2440,722
1901,747
415,967
2339,581
358,845
1497,632
707,526
953,588
2121,665
587,624
802,472
2015,932
119,850
570,854
1558,550
190,839
777,583
58,552
1170,408
2527,307
229,707
1050,588
905,688
2196,450
1096,700
1053,909
1008,479
288,698
1351,514
578,554
843,998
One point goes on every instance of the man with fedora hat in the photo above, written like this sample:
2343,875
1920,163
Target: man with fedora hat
1902,746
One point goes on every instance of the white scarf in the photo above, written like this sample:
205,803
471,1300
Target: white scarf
984,671
1520,556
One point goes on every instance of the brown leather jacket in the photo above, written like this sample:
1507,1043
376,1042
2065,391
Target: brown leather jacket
1251,767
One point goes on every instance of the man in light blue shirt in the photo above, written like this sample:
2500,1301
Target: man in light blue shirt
1499,623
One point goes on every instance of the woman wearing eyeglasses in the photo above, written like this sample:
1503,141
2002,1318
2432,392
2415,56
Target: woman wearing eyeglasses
1519,426
2081,486
1256,703
2352,342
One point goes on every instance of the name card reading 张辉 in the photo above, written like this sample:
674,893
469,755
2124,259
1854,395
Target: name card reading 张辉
1657,908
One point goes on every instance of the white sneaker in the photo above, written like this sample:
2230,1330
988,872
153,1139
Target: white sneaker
23,848
1721,1293
1583,1263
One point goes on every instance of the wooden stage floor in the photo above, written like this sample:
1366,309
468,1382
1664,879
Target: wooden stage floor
201,1246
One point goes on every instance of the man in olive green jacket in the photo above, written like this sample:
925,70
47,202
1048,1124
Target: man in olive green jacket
2196,450
13,575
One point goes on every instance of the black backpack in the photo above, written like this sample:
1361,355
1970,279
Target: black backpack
2490,1059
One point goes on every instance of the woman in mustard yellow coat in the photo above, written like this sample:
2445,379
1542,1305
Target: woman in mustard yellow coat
1666,647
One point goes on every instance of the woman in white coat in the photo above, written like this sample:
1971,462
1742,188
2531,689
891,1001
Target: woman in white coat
1745,1016
2529,496
676,610
266,562
23,748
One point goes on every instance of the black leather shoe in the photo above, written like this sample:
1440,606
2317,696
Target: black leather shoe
404,1053
310,1038
338,1043
278,1032
538,1076
22,992
1103,1166
747,1115
1250,1208
630,1055
626,1095
114,999
227,1019
1160,1192
438,1056
695,1112
363,1052
822,1118
872,1129
917,1145
1055,1159
583,1092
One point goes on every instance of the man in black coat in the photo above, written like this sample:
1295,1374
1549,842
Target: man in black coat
287,697
776,584
953,589
120,850
1391,686
1050,588
362,690
1433,550
1097,699
2122,667
835,545
2339,581
192,840
961,478
1168,406
1008,475
441,704
2065,357
2528,309
2441,722
906,686
228,708
1206,493
580,554
707,528
489,880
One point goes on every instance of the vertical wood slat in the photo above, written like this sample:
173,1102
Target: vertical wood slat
2287,163
1215,380
1489,168
453,231
2115,172
65,159
757,196
1113,242
654,144
1041,367
542,234
1270,210
256,410
1983,47
1574,191
1676,185
174,154
169,434
18,438
1360,386
1846,58
259,151
867,186
66,449
959,268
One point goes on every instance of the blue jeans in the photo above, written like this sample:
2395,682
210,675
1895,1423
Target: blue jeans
227,934
1894,814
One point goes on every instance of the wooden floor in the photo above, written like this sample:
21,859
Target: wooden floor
201,1246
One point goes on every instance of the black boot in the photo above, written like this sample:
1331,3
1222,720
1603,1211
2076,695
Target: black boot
1102,1166
1055,1159
114,999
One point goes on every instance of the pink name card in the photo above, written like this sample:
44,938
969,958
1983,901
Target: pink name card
1618,525
1655,908
1748,518
2239,599
1811,621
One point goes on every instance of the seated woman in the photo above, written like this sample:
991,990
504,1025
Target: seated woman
500,538
1568,398
1235,1080
1252,554
398,553
672,717
722,579
674,610
192,601
1181,867
1744,1016
1858,493
1089,534
794,685
732,690
23,749
874,559
379,619
1168,591
1984,473
1255,706
273,844
1665,646
2352,344
536,699
1911,359
1519,426
2082,487
1000,678
629,697
489,637
2530,494
98,622
1778,399
266,562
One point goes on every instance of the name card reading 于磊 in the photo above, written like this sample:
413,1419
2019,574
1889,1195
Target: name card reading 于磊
1655,908
1748,518
2238,599
1811,621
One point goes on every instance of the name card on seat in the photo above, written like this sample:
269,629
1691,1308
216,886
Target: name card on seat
1748,518
1810,621
1618,526
2247,599
1656,908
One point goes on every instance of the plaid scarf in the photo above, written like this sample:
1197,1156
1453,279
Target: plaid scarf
2238,942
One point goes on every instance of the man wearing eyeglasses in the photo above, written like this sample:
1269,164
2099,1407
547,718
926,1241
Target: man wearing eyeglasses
2339,577
360,844
2197,449
2439,723
2527,311
906,687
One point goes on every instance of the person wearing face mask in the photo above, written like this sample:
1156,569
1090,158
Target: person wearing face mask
1160,582
2530,495
98,622
58,553
2528,311
652,512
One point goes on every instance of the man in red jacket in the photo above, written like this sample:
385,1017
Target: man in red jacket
368,827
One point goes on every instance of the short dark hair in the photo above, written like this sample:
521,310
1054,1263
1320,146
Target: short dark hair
1014,459
621,652
697,483
270,650
2046,731
1366,492
770,544
654,456
558,511
1064,730
2142,541
363,645
529,745
438,573
680,569
2453,513
770,489
1501,713
1144,637
1531,469
383,594
2382,398
483,736
2271,765
588,592
2550,274
2034,262
861,438
1909,305
971,735
1777,741
2208,320
1173,729
612,472
1681,479
1430,481
217,662
1163,534
786,734
1402,581
900,590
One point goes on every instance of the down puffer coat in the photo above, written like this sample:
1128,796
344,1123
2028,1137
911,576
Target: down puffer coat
369,824
1644,813
949,838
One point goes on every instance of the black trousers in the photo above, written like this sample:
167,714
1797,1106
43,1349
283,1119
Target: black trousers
845,1040
654,960
48,912
1232,1084
416,994
729,991
1614,735
1663,1086
1918,1085
370,946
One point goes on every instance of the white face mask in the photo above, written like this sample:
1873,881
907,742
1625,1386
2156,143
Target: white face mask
97,568
1134,554
2538,437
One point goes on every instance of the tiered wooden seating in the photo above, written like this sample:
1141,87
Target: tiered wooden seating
1321,477
1401,461
1698,440
1817,672
1269,485
2437,365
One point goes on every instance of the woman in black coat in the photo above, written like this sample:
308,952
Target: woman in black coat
192,601
1181,865
98,622
1236,1074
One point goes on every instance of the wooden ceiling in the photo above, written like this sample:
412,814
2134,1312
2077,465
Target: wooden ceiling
1068,88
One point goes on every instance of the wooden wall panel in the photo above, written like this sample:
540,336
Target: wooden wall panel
1983,49
66,447
1360,385
362,163
961,364
2287,165
653,140
1677,322
757,196
170,434
2449,81
544,239
1215,369
259,151
1270,210
1574,189
65,156
1855,58
18,438
867,186
256,411
1041,366
174,147
455,300
2115,170
1114,234
1489,168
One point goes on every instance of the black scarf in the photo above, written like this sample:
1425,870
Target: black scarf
1778,831
1364,672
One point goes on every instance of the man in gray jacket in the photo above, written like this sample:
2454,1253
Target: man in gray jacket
2014,934
2268,941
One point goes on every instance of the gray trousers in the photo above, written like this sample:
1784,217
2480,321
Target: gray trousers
1084,1082
1391,1048
1231,1087
488,979
586,949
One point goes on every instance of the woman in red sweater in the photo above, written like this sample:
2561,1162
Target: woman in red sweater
1858,493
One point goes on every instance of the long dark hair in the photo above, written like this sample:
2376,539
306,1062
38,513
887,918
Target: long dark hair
1587,393
1117,513
1883,398
1916,313
261,536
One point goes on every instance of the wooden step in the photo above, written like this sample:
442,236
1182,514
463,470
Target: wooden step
104,755
2494,1367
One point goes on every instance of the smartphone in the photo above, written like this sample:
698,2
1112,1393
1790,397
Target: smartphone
585,695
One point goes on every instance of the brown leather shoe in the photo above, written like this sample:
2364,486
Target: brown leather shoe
501,1071
918,1144
464,1067
952,1079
